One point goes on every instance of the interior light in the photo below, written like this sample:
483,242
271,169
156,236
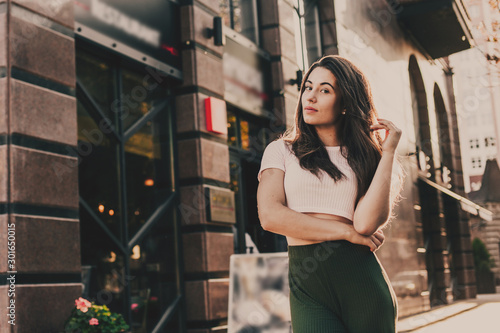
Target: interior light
112,257
149,182
101,208
136,252
111,212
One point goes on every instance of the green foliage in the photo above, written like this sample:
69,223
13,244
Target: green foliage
482,258
87,317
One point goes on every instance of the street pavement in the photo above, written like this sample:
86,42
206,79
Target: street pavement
480,315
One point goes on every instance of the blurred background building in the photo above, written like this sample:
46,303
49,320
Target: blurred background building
478,100
131,140
488,231
477,89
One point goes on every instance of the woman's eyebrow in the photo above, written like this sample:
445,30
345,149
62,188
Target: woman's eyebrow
322,83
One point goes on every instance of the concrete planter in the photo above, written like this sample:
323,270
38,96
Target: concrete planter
485,282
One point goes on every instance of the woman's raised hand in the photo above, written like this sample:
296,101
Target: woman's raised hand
373,242
378,237
392,134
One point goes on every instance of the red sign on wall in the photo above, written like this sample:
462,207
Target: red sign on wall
216,115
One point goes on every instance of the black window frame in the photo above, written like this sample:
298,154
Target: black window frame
266,242
303,8
125,243
255,19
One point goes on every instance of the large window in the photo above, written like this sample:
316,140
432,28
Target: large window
307,25
245,131
241,16
248,136
129,239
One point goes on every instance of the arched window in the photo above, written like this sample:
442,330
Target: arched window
421,119
444,139
241,16
308,30
129,244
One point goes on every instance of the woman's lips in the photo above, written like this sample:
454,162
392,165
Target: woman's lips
310,110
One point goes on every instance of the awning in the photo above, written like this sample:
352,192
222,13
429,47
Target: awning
440,27
465,203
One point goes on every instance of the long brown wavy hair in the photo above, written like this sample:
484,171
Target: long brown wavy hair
361,147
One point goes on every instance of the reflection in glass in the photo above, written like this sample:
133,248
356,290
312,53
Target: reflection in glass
148,182
225,12
97,78
252,135
147,171
154,286
244,18
245,140
234,169
245,131
312,31
138,99
239,15
232,133
107,277
98,170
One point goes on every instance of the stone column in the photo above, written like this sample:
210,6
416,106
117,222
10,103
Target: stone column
459,234
203,161
38,202
435,243
277,20
328,27
489,233
492,237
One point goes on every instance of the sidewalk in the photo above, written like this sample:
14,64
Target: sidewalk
415,322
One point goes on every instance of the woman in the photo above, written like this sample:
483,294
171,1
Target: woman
326,185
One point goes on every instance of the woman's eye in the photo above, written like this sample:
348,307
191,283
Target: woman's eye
308,88
325,91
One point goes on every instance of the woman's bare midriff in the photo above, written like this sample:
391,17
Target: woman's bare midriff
297,241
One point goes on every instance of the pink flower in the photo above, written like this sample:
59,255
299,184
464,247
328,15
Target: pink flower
82,304
134,305
94,321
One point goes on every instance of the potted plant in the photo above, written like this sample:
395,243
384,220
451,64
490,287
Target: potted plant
485,278
87,317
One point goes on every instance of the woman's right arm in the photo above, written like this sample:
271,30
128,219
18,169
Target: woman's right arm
276,217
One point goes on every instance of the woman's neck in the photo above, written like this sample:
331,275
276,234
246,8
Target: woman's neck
328,135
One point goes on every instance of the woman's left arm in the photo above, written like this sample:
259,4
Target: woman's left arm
374,207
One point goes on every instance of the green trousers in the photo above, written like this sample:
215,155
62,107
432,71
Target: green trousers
339,287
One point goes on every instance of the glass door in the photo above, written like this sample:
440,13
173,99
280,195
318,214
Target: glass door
247,138
129,228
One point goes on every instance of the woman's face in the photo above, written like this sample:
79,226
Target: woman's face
321,100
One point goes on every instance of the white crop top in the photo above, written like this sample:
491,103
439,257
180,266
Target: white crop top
307,193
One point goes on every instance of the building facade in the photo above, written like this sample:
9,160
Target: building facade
413,86
477,96
131,141
488,231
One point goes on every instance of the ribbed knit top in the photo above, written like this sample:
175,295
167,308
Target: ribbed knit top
307,193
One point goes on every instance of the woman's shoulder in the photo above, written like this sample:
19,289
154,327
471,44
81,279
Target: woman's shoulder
281,145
